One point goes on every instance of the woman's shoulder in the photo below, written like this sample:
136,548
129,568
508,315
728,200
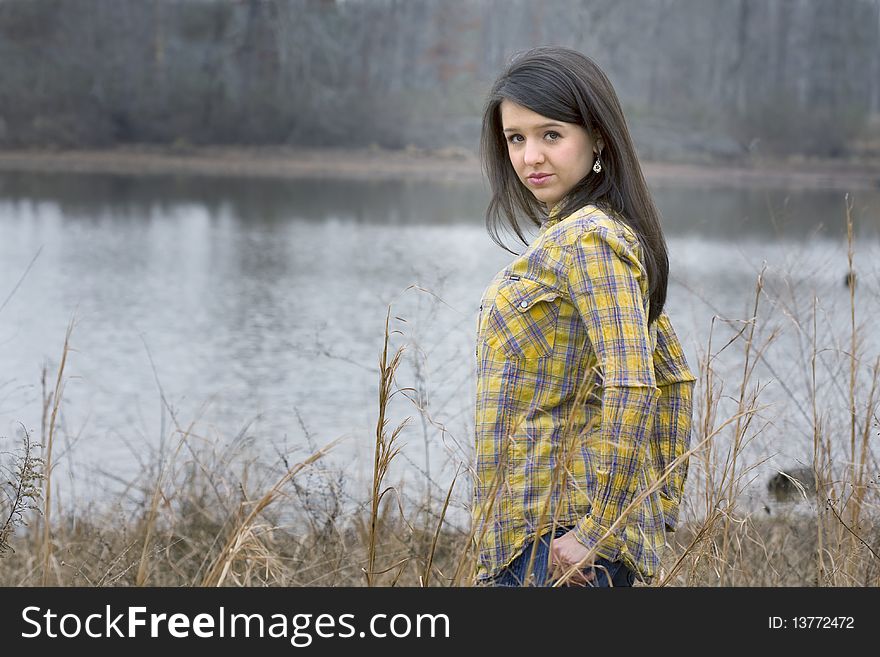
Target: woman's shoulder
591,219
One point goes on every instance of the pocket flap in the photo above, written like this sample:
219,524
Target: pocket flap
523,293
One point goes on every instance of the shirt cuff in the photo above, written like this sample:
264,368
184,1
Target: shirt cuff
670,512
592,535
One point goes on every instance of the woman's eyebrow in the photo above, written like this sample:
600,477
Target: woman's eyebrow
543,125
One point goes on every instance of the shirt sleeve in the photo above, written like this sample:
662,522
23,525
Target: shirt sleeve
672,422
607,284
672,431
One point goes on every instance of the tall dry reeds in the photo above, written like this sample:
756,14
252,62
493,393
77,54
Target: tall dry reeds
49,431
22,488
827,534
846,497
385,451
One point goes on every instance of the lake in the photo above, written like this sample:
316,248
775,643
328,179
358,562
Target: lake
255,311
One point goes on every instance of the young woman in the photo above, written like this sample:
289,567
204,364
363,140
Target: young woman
583,410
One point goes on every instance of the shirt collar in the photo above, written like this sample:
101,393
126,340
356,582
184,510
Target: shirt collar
553,217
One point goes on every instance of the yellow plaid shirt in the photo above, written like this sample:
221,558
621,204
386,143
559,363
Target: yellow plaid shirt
580,404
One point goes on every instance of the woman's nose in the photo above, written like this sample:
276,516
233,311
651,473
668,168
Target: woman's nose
533,153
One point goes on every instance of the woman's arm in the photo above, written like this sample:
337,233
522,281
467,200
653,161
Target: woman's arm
671,436
671,439
606,283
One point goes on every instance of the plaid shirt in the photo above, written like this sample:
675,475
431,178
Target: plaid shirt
580,404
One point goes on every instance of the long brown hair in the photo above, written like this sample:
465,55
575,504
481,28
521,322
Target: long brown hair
565,85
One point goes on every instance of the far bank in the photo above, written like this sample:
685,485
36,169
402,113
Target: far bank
445,164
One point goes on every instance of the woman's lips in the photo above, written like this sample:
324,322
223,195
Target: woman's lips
539,179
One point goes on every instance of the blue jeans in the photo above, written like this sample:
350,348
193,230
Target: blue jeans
606,574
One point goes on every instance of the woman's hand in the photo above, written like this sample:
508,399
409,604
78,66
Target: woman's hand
565,552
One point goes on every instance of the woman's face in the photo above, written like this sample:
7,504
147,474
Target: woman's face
550,157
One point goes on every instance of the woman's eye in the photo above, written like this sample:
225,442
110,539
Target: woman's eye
551,135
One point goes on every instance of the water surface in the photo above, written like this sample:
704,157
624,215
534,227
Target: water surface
257,309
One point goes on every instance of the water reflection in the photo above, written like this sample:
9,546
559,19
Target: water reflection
710,211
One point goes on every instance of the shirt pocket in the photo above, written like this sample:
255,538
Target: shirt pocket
522,321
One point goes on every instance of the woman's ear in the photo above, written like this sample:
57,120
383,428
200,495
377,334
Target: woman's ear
599,146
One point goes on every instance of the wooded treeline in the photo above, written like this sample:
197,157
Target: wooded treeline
698,78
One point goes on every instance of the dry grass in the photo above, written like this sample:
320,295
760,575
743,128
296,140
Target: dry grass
205,517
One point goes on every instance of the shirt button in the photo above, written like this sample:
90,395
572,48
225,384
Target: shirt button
524,304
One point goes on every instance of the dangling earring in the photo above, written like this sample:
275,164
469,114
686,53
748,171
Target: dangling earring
598,166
